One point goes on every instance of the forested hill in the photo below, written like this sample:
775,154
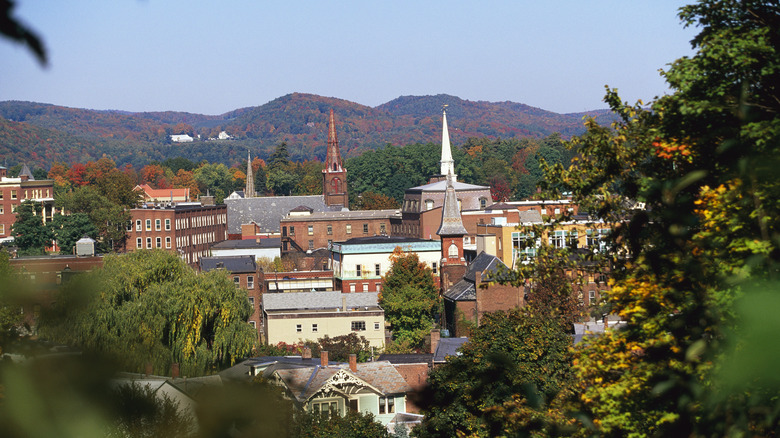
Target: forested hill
41,134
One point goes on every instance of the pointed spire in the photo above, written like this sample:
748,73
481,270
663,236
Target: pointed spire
451,222
447,164
333,160
249,190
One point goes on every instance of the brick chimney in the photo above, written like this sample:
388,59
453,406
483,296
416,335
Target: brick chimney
175,370
353,363
477,279
306,353
435,336
324,358
149,369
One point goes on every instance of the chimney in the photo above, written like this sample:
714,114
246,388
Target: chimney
323,358
353,363
343,303
435,336
477,279
149,369
175,370
306,353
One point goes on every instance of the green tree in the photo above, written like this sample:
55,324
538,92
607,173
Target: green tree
280,159
138,411
150,307
703,161
507,381
215,179
69,229
109,218
352,425
375,201
282,181
30,234
409,298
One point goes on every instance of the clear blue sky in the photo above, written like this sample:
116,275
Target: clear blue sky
214,56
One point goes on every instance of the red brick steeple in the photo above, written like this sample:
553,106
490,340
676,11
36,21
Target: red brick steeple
334,176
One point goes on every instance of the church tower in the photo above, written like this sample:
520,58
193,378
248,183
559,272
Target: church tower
249,190
334,176
451,231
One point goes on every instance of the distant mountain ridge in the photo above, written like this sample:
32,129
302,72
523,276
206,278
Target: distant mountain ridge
41,134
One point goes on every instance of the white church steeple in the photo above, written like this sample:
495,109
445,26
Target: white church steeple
447,164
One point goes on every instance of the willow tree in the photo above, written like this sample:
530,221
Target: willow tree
149,307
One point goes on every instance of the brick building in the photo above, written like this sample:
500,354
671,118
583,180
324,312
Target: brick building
14,191
466,300
305,230
188,229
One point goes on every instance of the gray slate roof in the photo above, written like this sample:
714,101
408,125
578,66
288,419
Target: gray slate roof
236,264
465,289
317,300
267,211
451,222
448,347
304,383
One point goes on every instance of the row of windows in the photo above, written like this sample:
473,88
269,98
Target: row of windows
36,194
353,287
329,229
195,239
356,326
157,225
158,242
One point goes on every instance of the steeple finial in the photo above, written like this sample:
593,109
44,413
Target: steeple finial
249,190
447,164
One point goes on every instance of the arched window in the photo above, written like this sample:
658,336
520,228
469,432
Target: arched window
428,204
335,184
453,251
482,203
335,167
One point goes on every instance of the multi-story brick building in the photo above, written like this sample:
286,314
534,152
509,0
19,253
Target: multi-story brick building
305,230
14,191
188,229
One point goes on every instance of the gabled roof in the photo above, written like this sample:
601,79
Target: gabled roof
236,264
381,377
267,211
163,194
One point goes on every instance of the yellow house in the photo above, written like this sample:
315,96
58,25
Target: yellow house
308,316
